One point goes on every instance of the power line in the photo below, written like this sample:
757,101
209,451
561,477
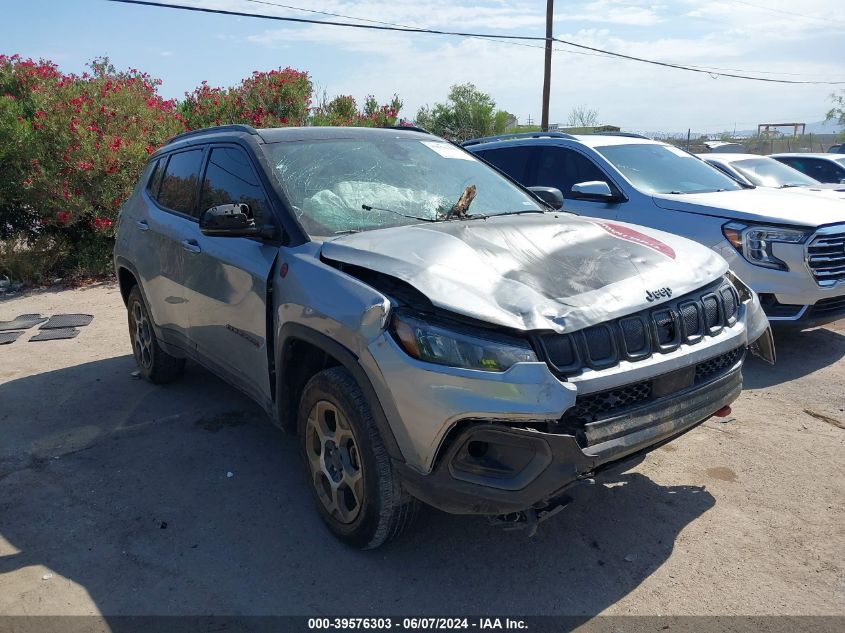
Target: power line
375,27
812,18
696,69
491,36
560,50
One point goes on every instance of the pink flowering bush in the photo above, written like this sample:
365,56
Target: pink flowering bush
73,146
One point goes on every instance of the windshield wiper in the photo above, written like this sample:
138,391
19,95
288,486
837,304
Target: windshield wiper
367,207
788,185
494,215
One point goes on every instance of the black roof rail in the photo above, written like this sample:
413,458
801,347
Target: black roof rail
408,128
518,135
235,127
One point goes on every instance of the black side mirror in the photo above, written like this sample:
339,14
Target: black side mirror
231,220
550,195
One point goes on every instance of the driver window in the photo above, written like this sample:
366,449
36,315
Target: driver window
230,179
560,167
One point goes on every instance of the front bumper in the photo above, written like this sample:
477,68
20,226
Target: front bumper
803,316
493,469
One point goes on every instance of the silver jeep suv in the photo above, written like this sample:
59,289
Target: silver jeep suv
430,329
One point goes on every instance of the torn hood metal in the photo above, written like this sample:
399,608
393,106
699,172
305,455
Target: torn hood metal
534,272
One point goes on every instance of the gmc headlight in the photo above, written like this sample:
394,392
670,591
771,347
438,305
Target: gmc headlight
754,243
444,345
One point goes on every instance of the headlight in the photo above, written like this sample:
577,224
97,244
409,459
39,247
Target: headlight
446,346
754,243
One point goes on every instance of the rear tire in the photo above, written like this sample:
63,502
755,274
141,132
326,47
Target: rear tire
154,363
357,492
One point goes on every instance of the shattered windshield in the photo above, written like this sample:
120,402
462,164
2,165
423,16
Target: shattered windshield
657,168
342,185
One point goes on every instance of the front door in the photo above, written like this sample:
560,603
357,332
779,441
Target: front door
226,278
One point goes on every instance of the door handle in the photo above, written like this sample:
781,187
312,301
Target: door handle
191,246
143,225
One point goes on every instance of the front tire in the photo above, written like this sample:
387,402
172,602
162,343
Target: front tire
358,494
154,363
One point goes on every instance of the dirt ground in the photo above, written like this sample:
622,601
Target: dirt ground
119,497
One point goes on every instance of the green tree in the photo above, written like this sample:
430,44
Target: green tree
467,113
837,112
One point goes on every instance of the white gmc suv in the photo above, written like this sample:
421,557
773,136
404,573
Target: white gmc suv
790,248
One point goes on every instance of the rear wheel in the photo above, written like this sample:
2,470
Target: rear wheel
358,494
154,363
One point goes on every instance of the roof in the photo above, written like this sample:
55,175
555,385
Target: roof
808,155
552,137
603,140
275,135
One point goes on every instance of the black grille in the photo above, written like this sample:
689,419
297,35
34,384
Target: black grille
714,367
600,346
687,319
593,406
712,315
635,336
605,404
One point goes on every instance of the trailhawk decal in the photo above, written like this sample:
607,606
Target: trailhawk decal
630,235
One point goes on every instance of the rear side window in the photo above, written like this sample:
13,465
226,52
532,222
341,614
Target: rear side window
229,178
562,168
511,160
180,182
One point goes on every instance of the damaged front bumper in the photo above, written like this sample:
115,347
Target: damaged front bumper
492,443
495,468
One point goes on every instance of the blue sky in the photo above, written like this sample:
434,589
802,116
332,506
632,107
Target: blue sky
784,38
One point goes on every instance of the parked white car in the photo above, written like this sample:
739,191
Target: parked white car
789,248
765,171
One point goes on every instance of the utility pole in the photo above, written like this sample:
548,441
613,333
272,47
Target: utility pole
547,71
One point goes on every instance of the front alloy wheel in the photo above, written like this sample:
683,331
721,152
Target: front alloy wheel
334,461
356,490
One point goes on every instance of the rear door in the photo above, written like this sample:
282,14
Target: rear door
226,278
163,235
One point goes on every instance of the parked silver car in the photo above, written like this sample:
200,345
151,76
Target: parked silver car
430,329
789,249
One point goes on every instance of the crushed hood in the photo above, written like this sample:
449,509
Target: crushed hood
534,272
773,206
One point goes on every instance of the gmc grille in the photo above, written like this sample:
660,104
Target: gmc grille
687,319
826,258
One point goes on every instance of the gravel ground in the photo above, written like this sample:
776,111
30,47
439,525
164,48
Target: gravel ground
116,498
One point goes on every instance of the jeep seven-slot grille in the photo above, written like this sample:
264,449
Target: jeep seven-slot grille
662,329
826,258
604,404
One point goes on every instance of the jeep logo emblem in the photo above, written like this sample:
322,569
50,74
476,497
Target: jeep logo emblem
659,293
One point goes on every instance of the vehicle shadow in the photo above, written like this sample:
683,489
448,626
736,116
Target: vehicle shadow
798,354
184,499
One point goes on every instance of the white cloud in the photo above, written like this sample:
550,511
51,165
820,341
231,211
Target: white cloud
713,33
